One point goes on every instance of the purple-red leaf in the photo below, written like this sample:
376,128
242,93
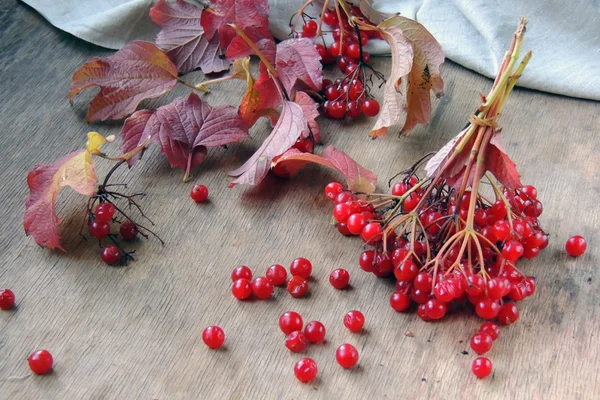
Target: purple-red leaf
184,129
182,38
136,72
290,125
500,164
45,181
359,179
298,61
311,111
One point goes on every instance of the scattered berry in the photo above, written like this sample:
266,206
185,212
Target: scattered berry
354,321
491,329
301,267
508,314
481,342
128,231
290,321
262,288
346,355
199,193
314,332
7,299
40,362
339,278
111,254
481,367
295,341
213,337
576,246
305,370
241,272
242,289
277,275
297,286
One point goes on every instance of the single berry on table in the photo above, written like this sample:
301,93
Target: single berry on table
241,289
40,362
7,299
339,278
305,370
314,332
491,329
346,355
262,288
481,367
277,275
111,254
213,337
301,267
290,321
199,193
241,272
104,212
354,320
481,342
295,341
297,286
128,230
576,246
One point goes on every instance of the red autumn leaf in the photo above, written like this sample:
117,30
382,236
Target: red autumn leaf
298,62
182,38
136,72
500,164
359,179
184,129
251,16
290,125
45,181
311,111
435,163
251,108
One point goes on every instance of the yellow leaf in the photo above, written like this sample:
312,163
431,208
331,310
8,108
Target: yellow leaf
94,142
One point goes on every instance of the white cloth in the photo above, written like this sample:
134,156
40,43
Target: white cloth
565,37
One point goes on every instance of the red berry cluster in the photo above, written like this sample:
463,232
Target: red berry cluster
99,227
262,287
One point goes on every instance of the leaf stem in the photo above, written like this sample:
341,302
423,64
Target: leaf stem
260,55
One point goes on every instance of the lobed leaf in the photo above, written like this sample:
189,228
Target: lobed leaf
298,62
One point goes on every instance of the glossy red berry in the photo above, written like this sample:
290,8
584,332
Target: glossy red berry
337,109
512,250
301,267
346,355
423,281
481,367
297,286
339,278
371,233
576,246
487,308
314,332
508,314
356,223
406,271
370,107
501,230
241,289
491,329
528,193
40,362
296,342
7,299
367,261
332,190
199,193
353,51
213,337
354,320
305,370
111,254
241,272
399,301
435,309
262,288
104,212
330,18
99,229
277,275
309,29
290,321
128,230
481,342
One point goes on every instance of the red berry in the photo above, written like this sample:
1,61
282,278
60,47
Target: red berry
370,107
495,288
371,233
297,286
337,109
323,53
528,193
353,51
277,275
411,202
356,89
305,370
344,197
343,229
481,342
333,189
262,288
110,254
445,291
406,271
487,308
435,309
476,285
7,299
40,362
423,281
354,320
491,329
301,267
512,250
422,313
99,229
353,109
295,341
508,314
339,278
199,193
481,367
310,27
399,301
356,223
346,355
241,272
501,230
128,230
290,321
341,212
104,212
241,289
314,332
331,93
213,337
576,246
330,18
366,260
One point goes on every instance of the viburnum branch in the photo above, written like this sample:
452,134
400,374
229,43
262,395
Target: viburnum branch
194,88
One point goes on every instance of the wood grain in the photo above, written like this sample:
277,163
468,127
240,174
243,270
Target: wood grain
134,332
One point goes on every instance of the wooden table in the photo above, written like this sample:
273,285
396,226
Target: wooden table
135,332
